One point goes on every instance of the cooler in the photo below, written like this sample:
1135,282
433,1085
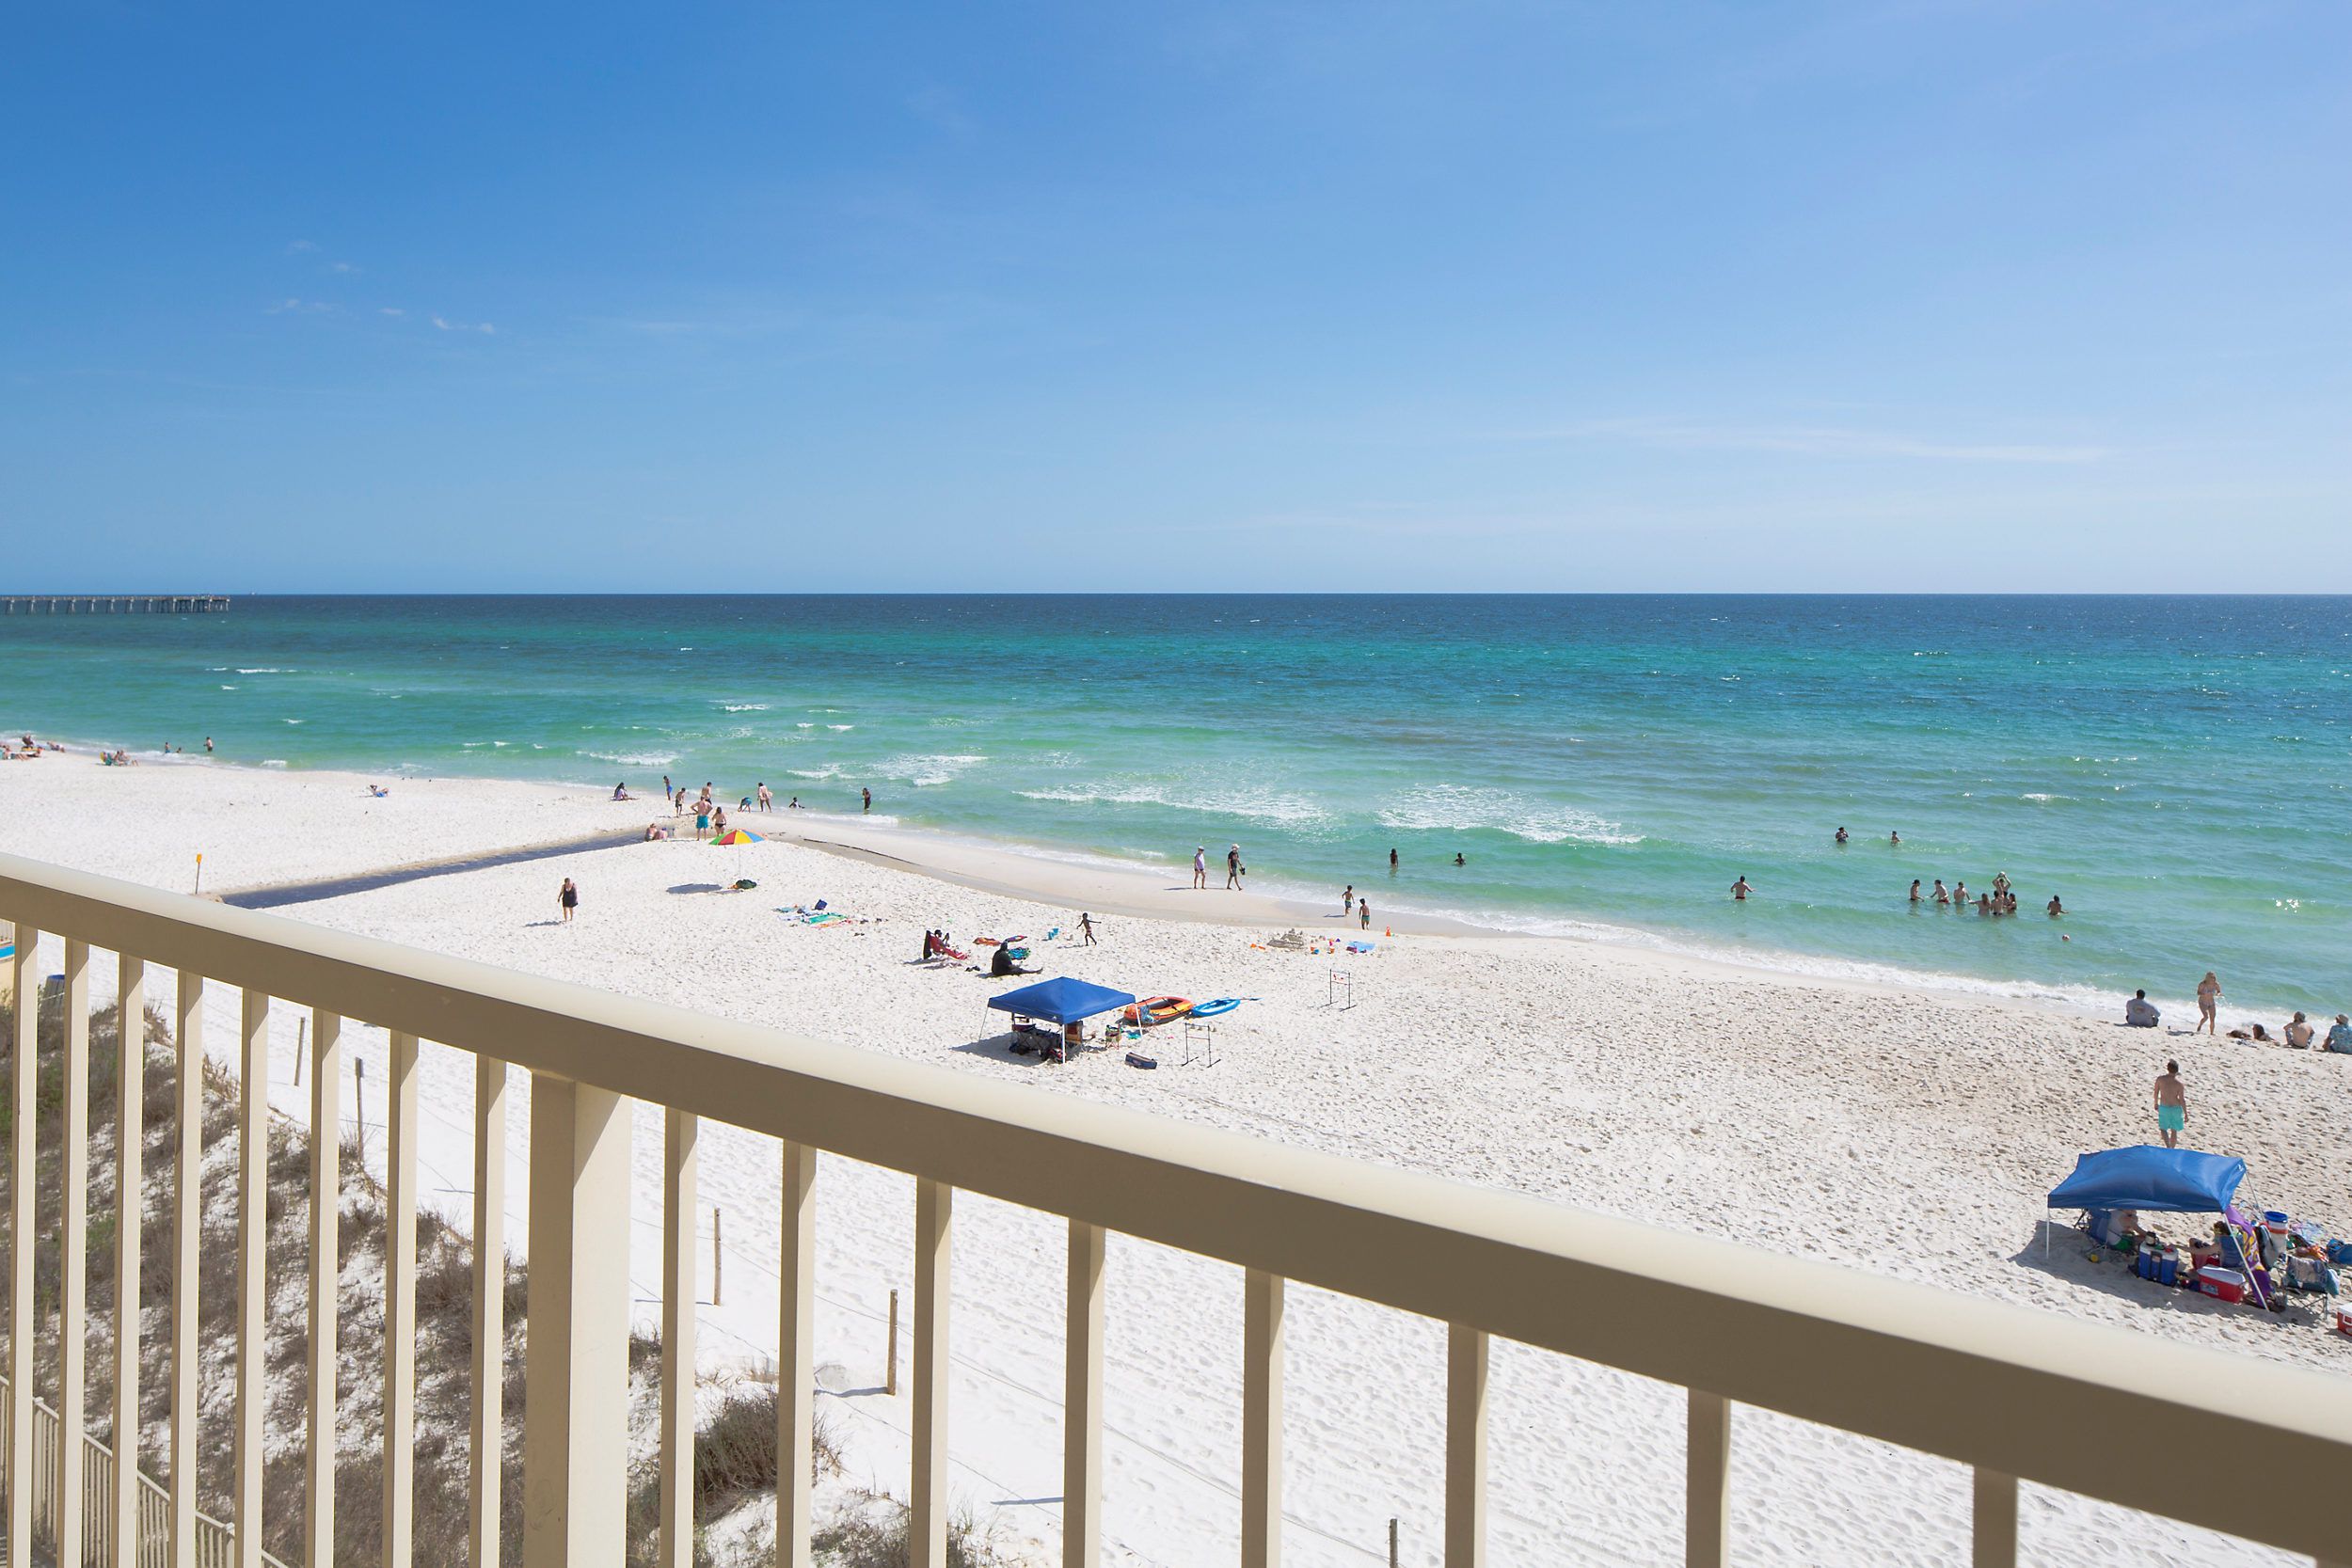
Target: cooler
2221,1284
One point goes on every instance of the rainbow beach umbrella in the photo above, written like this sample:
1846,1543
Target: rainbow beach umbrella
738,835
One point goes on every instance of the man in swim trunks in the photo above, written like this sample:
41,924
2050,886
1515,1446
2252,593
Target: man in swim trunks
1915,890
2299,1034
2171,1105
1739,890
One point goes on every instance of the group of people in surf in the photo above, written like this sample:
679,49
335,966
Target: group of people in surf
2001,900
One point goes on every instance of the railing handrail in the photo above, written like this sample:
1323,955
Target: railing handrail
97,1481
2008,1388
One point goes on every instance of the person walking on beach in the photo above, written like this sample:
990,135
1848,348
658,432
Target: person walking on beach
766,800
669,790
2208,1000
1086,929
1739,890
2171,1105
1201,866
1347,900
1364,914
567,901
1232,869
866,796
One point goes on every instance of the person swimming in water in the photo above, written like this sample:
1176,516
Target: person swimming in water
1841,835
1457,858
1894,838
1739,890
1915,890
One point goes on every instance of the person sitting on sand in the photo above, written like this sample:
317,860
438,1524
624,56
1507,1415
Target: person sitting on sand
1740,891
2340,1037
620,792
654,830
378,791
2171,1105
2140,1013
1000,966
2299,1034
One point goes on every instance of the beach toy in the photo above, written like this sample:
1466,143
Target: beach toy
1137,1058
1222,1005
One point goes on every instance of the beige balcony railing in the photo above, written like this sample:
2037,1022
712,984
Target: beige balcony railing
2014,1393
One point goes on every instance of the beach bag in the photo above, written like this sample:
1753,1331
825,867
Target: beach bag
2340,1252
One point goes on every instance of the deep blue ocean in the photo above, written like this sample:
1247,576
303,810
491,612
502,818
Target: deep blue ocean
2178,769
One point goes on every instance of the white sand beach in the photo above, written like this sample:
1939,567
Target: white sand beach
1905,1132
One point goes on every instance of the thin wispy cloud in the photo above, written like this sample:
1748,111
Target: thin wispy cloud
342,267
389,310
1812,441
295,247
447,325
291,306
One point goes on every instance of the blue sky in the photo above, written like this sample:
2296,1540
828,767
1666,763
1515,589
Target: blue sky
1894,296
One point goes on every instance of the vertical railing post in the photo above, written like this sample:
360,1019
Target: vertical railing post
489,1306
1262,1420
400,1303
188,1235
1707,1482
318,1492
72,1253
24,1229
1993,1540
130,1185
252,1397
796,1355
1082,1403
678,1252
576,1355
934,1209
1464,1447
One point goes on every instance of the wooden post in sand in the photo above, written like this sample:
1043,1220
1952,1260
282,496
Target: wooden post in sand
1391,1544
718,1252
360,1098
890,1367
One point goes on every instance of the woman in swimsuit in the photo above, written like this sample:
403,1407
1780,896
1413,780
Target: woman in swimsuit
2208,997
567,901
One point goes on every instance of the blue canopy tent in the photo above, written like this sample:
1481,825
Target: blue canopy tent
1062,1000
2164,1180
2161,1180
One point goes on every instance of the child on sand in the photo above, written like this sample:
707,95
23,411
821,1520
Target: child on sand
2171,1105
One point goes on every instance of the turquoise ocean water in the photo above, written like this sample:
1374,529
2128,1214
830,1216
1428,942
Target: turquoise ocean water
2179,770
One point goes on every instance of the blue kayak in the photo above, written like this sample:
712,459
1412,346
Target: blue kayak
1222,1004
